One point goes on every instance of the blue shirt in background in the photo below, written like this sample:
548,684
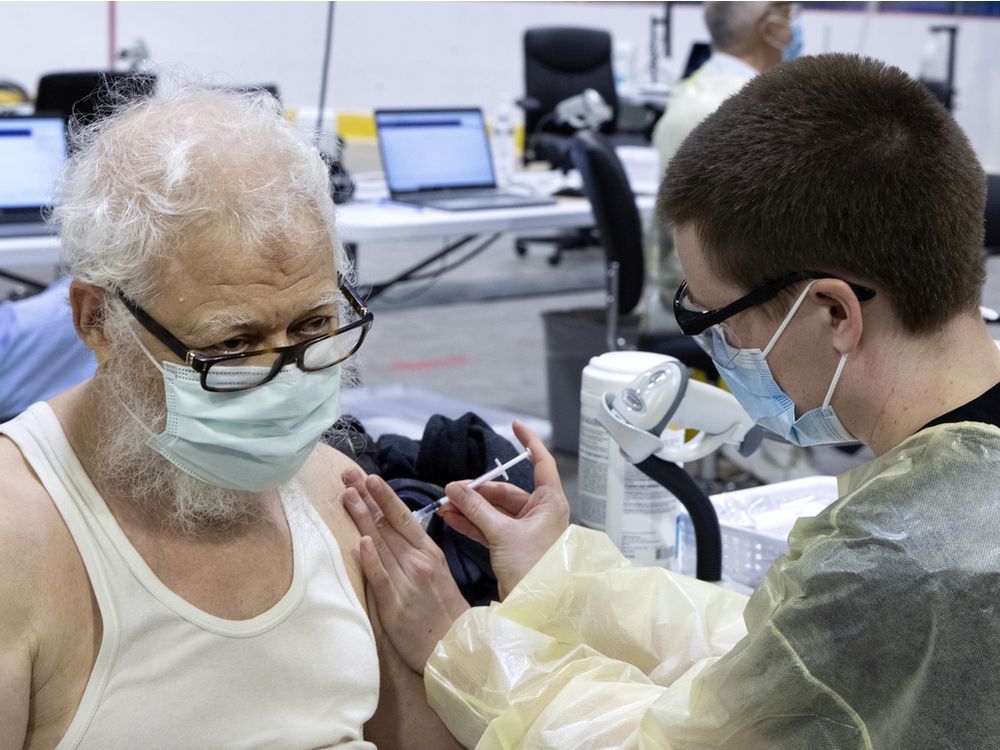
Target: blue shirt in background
40,353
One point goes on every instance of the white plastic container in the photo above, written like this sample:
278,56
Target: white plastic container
615,497
755,524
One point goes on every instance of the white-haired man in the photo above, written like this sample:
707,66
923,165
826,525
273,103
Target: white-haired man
171,564
747,38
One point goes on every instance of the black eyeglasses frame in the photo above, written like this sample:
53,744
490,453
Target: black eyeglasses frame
292,354
695,322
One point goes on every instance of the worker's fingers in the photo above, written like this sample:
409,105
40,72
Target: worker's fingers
505,496
355,479
544,465
490,521
379,581
397,517
369,526
454,518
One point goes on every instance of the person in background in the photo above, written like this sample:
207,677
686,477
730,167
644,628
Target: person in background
747,38
175,567
829,220
40,353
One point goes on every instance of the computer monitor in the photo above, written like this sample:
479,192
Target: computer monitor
32,151
87,96
434,149
698,56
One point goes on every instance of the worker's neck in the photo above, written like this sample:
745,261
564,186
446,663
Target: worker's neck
923,378
757,58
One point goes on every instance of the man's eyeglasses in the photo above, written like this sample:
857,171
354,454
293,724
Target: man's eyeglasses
706,324
245,370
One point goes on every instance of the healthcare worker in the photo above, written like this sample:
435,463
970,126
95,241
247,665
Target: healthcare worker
747,38
829,222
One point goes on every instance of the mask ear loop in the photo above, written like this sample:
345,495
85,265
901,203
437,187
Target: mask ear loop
156,364
787,320
145,351
836,379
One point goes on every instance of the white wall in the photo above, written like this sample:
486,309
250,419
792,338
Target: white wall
420,53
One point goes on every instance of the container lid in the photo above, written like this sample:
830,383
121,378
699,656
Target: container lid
618,368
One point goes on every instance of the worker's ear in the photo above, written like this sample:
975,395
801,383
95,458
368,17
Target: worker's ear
87,302
843,312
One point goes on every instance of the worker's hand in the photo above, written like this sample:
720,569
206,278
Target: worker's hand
416,595
517,527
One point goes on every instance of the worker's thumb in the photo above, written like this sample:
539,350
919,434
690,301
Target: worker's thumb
476,509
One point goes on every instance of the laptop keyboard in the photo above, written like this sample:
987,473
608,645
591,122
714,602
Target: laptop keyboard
34,229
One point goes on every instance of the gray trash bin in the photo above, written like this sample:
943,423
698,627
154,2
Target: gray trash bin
572,337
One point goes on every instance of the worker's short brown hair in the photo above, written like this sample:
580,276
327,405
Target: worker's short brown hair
837,163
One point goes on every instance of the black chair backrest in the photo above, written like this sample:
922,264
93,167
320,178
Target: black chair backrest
992,236
269,88
563,61
615,213
86,96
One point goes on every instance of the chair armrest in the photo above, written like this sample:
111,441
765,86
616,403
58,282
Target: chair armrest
529,104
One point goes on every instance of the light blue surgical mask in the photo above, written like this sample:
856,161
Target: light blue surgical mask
249,440
751,382
794,49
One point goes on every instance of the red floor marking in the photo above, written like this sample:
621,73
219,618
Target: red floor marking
431,364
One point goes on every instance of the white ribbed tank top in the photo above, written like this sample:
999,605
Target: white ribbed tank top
303,674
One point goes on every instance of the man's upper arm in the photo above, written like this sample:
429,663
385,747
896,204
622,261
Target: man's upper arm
19,547
403,718
15,687
325,488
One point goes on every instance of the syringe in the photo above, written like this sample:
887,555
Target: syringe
423,515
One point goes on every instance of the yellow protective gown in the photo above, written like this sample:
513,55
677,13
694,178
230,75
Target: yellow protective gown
879,629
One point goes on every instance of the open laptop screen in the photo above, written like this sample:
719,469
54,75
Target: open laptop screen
434,149
32,151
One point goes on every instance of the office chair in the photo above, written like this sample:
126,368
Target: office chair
620,230
560,62
12,92
270,88
86,96
991,237
574,336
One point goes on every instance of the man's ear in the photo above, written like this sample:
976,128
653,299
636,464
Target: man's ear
87,302
844,311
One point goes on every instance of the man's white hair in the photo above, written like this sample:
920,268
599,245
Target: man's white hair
732,24
192,159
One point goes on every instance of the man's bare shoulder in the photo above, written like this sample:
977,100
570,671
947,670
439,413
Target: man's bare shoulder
26,510
33,537
321,476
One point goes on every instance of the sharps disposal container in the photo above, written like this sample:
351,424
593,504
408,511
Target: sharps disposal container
615,497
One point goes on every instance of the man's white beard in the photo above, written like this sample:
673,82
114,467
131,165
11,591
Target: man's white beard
127,463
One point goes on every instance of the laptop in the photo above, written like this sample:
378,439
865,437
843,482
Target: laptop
32,151
441,158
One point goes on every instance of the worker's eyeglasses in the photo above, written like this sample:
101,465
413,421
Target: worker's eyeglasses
707,326
246,370
774,11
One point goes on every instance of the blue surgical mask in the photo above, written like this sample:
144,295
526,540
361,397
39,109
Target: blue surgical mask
751,382
249,440
794,49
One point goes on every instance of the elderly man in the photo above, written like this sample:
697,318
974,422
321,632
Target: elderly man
747,38
172,556
829,221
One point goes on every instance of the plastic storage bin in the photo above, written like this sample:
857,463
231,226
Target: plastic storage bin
755,523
